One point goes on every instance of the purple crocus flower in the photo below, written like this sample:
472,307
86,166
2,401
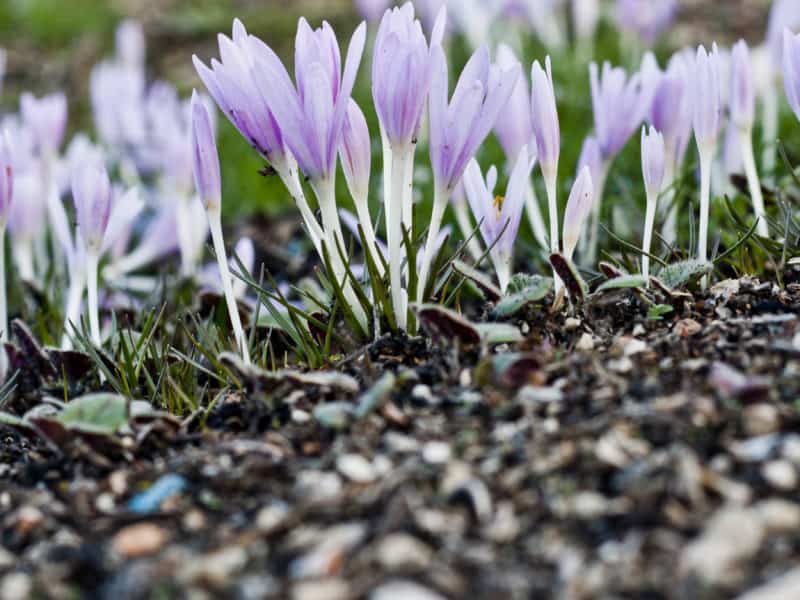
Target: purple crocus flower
312,114
791,69
579,205
458,129
545,116
356,151
784,14
91,192
514,125
707,103
653,160
499,217
646,18
231,81
372,10
205,160
401,73
47,119
619,104
117,94
671,111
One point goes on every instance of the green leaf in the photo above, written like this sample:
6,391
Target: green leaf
95,413
681,273
624,282
657,311
498,333
538,287
12,420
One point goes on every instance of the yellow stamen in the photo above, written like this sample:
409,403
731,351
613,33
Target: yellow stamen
498,205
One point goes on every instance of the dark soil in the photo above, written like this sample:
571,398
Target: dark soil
615,457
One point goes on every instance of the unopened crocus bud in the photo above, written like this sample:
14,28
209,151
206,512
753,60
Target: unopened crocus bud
47,119
585,16
653,157
205,160
791,69
355,151
91,192
545,116
578,208
647,18
707,101
742,100
514,127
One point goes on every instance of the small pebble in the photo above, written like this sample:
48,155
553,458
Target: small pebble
571,323
404,590
436,453
139,540
356,468
16,586
586,343
687,328
780,474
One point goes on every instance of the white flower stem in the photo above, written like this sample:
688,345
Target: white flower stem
706,158
72,312
550,179
502,266
184,235
394,233
215,225
408,189
669,230
771,117
3,299
22,250
92,259
441,197
647,238
365,219
467,229
289,174
535,216
589,249
753,183
326,195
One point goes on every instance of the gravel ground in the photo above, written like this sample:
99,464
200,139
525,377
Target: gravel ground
610,456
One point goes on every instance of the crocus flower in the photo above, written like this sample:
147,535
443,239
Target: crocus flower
232,82
646,18
311,115
207,177
372,10
91,192
458,129
401,79
707,109
47,119
6,196
791,69
548,138
498,216
579,205
742,106
653,159
27,221
671,115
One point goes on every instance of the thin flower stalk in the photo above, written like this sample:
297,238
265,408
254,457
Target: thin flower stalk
6,198
742,99
653,168
208,182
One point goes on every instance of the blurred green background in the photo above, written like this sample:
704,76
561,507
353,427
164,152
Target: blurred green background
52,44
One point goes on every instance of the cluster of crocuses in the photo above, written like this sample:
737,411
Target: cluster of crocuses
123,227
